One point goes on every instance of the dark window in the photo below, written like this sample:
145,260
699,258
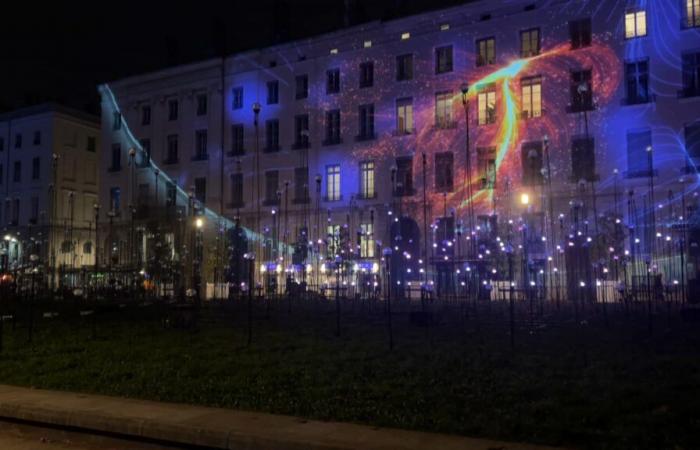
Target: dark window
333,81
532,160
485,51
237,94
444,234
272,135
301,184
36,168
583,159
486,166
332,127
404,176
116,120
639,155
580,33
2,144
37,138
142,194
18,140
116,158
273,92
530,43
2,175
172,109
691,75
146,153
302,90
692,140
170,194
201,104
237,139
271,187
115,199
17,174
581,91
637,82
236,190
366,125
443,59
146,115
366,74
91,144
301,131
34,210
444,164
200,146
404,67
200,190
15,211
171,155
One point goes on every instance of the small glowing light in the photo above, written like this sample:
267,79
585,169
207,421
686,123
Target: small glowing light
375,267
309,268
405,36
263,268
278,269
323,268
334,51
199,223
368,44
582,284
525,199
444,27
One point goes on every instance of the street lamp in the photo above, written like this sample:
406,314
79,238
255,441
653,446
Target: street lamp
256,112
96,207
464,88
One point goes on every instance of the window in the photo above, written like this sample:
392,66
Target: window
332,127
367,180
367,240
146,115
172,109
531,97
237,98
2,175
171,156
333,239
17,173
637,82
200,189
116,158
34,210
37,138
404,116
691,13
366,74
487,106
271,187
531,156
272,135
237,139
116,121
302,88
301,184
200,140
273,92
580,33
443,59
36,168
639,155
91,144
333,183
146,153
301,131
583,159
530,43
691,75
635,24
201,104
15,211
115,200
142,195
443,110
404,67
2,144
581,91
404,177
692,140
236,190
485,51
18,140
333,81
170,194
366,125
444,163
486,166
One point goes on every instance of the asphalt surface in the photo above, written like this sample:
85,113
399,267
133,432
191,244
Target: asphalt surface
14,436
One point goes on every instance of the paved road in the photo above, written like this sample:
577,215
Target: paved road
24,437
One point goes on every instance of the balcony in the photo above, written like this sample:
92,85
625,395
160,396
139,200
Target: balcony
367,195
445,125
365,137
641,173
581,107
638,100
336,198
301,145
272,148
334,140
200,157
402,132
404,192
237,152
301,200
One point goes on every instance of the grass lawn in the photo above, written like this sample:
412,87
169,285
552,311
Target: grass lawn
584,385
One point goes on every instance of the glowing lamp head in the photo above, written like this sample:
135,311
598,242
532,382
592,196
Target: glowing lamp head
525,199
199,223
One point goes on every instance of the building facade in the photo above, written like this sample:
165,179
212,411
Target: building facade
566,131
49,177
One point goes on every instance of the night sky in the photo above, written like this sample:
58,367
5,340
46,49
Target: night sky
51,53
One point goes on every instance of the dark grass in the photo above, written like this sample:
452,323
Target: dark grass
583,385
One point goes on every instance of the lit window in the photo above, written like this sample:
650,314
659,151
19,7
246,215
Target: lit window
333,183
404,116
367,180
333,239
444,27
487,107
486,52
405,36
486,166
531,97
368,44
692,13
443,110
530,42
635,24
366,240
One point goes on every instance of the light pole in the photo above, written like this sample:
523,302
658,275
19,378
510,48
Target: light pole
318,229
465,102
256,112
197,265
96,207
387,259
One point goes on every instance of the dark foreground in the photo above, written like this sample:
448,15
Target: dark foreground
591,379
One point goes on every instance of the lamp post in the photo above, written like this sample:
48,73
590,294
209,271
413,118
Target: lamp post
197,263
525,202
468,169
387,252
318,228
96,207
256,112
250,258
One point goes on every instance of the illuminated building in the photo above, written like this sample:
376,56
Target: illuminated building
49,180
591,108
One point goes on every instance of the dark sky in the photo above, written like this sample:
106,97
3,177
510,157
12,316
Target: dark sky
52,53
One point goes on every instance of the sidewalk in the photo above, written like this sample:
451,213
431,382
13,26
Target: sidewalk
218,428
